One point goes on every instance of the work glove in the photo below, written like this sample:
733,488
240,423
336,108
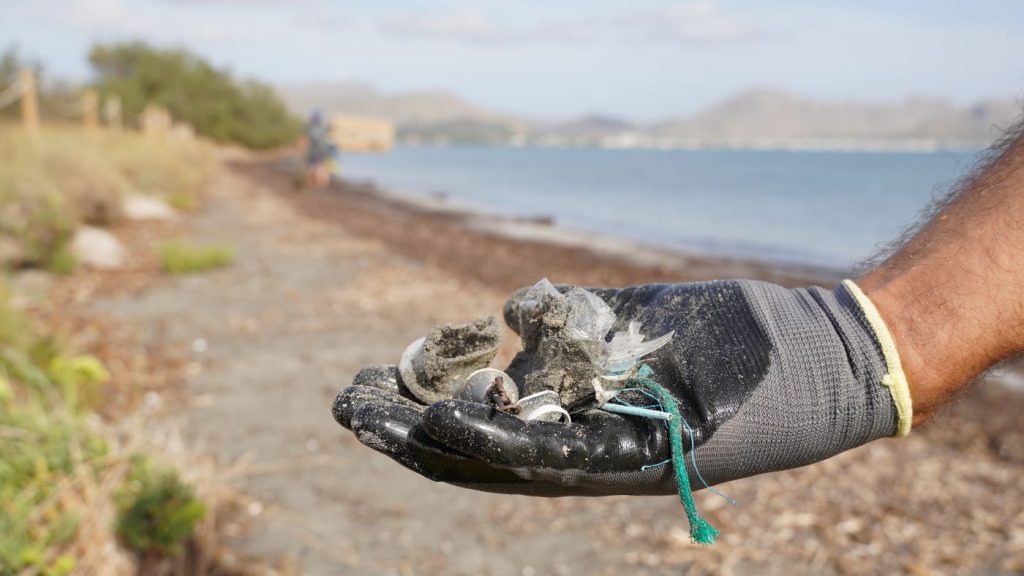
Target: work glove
765,378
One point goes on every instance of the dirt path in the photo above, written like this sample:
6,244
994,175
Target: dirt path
272,339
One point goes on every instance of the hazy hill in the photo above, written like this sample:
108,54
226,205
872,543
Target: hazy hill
751,118
593,125
761,115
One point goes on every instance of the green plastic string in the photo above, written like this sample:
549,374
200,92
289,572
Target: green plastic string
701,532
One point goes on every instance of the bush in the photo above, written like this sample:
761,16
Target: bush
33,214
62,260
157,513
180,257
79,378
45,453
183,201
55,447
217,105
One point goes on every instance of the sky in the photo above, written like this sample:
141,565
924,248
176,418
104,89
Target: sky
637,59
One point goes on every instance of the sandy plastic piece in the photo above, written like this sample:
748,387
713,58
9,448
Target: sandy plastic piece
565,359
405,364
530,306
436,366
544,406
477,385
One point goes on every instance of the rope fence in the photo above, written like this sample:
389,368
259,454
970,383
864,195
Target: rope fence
70,110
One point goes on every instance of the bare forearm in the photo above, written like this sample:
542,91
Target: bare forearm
953,296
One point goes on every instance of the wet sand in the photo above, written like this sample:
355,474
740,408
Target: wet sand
328,281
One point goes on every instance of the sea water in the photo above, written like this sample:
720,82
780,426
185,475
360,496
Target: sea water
829,209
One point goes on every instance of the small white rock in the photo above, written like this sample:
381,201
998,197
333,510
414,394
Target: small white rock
97,248
255,508
147,208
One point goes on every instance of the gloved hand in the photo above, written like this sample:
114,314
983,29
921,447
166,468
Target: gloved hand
766,378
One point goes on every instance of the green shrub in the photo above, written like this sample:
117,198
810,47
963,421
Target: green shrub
79,378
15,331
216,104
40,224
62,260
180,257
157,512
183,201
51,447
46,449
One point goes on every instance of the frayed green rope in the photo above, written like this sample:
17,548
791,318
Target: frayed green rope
701,532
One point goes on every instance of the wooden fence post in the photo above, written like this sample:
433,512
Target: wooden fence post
112,111
29,102
90,109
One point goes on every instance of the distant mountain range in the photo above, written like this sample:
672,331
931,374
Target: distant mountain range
752,119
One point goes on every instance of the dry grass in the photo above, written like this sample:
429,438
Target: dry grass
66,177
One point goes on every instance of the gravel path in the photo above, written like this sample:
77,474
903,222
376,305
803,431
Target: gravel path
272,339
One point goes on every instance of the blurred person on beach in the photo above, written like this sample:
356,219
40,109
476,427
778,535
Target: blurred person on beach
316,148
765,378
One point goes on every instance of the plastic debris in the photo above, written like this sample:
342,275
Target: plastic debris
567,360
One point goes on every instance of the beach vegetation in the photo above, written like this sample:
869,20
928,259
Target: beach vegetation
62,260
183,201
157,512
70,488
48,455
182,257
65,484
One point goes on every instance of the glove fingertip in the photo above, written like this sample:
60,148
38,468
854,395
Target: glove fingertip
344,405
384,376
351,398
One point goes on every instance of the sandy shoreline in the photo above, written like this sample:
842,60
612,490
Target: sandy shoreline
545,230
507,252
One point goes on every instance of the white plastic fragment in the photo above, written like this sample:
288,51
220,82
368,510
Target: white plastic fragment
628,347
406,366
478,383
545,406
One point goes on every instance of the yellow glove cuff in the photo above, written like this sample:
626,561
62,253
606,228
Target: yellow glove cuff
896,379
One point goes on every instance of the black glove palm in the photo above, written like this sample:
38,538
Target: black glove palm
766,378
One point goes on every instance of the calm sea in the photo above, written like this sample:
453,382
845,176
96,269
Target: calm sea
820,208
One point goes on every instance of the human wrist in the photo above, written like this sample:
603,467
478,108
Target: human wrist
941,348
